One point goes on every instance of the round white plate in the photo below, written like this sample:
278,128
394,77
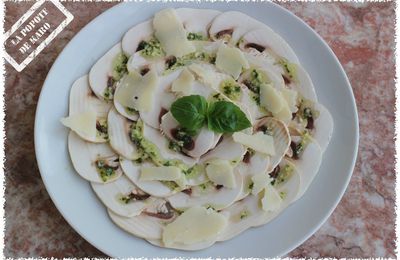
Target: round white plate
84,212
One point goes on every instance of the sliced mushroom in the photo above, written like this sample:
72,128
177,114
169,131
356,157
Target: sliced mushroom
242,215
93,162
281,136
308,164
263,60
162,100
253,163
268,73
266,40
248,213
323,129
135,35
208,195
231,26
82,100
101,78
118,133
162,144
122,197
193,146
196,20
291,185
227,149
303,84
289,192
141,64
149,224
154,188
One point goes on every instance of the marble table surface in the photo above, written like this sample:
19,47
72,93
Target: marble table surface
361,35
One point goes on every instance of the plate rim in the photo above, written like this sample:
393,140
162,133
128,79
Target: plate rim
41,162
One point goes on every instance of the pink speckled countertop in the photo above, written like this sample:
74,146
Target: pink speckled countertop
361,35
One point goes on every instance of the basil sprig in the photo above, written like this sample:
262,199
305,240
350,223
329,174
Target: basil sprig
192,112
226,117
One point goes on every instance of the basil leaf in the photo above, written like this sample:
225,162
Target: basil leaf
190,112
226,117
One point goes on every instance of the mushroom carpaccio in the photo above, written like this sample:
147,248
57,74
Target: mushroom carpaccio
197,126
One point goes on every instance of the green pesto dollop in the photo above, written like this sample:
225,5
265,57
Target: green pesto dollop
306,114
130,111
217,97
231,89
151,48
171,184
289,69
244,214
109,90
301,146
119,66
146,148
253,82
174,63
105,171
284,174
149,150
195,37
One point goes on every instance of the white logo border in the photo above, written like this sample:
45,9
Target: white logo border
31,56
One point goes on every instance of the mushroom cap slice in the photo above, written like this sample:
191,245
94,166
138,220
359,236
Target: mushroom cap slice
304,85
196,20
192,247
210,196
248,212
323,129
131,115
102,70
227,149
281,136
162,143
253,165
149,224
139,63
154,188
162,100
138,33
291,186
203,141
199,177
268,73
84,156
263,60
142,226
308,165
233,23
111,195
290,190
265,39
241,216
81,100
118,134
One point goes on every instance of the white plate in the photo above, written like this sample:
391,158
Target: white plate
77,202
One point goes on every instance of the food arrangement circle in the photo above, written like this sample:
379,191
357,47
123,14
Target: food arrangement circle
197,126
